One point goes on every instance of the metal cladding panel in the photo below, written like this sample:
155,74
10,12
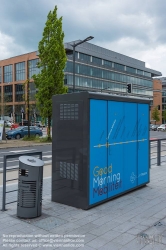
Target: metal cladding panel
99,143
115,137
98,151
143,144
69,165
130,145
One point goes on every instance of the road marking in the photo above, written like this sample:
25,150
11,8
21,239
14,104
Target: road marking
9,161
4,152
18,151
47,156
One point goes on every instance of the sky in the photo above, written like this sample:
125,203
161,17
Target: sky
130,27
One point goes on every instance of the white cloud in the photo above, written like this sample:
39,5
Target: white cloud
9,47
133,28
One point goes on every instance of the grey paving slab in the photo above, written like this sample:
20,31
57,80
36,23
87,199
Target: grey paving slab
98,242
100,230
124,238
154,247
116,224
111,245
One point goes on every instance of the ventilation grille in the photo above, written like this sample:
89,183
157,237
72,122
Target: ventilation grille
27,194
69,171
69,111
23,172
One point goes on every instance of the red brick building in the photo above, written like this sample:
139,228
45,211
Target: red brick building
13,94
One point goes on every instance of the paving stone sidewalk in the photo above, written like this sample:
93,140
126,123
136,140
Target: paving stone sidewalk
136,220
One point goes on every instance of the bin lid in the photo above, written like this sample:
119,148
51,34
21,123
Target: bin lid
31,161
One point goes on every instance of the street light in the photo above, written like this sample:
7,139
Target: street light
75,45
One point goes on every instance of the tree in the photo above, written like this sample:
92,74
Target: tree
52,61
156,114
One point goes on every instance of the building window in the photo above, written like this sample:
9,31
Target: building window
8,93
32,91
130,70
147,74
70,55
19,92
108,63
20,71
96,60
119,66
33,69
84,57
8,73
0,74
139,72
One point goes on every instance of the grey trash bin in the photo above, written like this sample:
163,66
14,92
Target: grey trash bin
30,183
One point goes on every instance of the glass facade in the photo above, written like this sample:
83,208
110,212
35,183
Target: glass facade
32,65
131,70
147,74
139,72
96,73
91,71
96,60
32,91
8,93
107,63
8,73
119,66
83,57
19,92
20,71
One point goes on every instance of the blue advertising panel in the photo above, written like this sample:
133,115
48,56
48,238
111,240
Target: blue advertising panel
130,146
115,137
119,148
143,143
98,151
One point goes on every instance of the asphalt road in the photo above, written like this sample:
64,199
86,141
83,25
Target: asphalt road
157,135
45,149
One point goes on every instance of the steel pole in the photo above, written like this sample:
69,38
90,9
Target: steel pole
4,184
74,68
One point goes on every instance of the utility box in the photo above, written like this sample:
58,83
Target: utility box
100,147
30,184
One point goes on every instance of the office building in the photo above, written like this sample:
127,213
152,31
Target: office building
96,69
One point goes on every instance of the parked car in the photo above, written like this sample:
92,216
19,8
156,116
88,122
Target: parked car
25,123
20,132
14,125
162,127
154,127
38,123
8,123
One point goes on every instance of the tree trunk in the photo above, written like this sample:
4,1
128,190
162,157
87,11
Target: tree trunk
49,128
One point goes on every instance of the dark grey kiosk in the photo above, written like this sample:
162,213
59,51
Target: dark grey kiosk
100,147
30,184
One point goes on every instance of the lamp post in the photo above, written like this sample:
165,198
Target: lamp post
74,46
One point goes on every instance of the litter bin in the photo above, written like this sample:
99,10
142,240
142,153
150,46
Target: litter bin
30,183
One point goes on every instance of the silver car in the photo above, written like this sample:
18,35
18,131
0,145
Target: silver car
162,127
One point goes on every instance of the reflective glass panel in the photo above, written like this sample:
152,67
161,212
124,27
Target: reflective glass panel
20,71
8,73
